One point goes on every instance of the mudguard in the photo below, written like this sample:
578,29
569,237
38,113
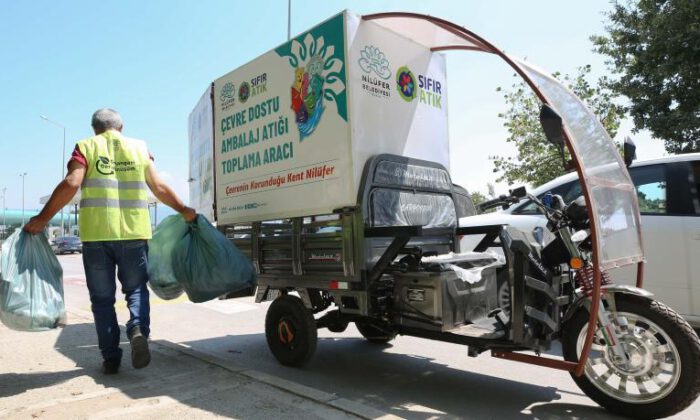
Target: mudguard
608,289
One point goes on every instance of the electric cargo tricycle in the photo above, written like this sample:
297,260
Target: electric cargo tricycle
391,263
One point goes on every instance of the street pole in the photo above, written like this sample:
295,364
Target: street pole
23,175
289,20
63,161
4,225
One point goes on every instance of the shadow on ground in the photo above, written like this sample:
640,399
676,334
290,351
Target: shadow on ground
78,386
405,385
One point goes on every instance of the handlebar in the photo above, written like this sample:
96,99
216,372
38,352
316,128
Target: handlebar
503,200
552,214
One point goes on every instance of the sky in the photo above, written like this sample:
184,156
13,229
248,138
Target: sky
152,60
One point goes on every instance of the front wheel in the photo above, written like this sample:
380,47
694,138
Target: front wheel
661,376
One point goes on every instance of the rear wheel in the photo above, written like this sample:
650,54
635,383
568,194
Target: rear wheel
661,376
504,297
375,334
290,330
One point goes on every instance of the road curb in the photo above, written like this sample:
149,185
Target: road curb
328,399
332,400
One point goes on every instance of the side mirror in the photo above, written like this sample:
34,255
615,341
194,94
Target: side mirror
629,151
553,128
519,192
552,125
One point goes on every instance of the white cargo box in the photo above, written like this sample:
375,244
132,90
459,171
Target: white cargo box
294,127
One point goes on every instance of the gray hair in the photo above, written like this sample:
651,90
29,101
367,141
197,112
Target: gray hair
106,119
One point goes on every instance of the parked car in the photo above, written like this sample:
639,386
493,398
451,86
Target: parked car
669,199
66,244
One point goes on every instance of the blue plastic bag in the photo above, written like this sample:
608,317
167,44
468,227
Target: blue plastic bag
167,236
208,265
31,284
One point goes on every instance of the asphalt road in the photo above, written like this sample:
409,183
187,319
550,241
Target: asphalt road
411,377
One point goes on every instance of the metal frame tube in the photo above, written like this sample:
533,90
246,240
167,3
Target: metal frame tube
480,44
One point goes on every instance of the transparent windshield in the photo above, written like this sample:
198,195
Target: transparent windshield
614,198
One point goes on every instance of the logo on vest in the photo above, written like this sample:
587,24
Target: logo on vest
104,166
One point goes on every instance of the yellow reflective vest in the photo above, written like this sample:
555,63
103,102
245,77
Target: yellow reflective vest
114,198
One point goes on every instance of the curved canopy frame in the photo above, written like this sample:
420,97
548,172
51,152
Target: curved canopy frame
612,202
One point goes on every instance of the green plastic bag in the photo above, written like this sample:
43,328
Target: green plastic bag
31,284
167,236
208,265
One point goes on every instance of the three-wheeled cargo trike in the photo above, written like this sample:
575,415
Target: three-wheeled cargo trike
331,174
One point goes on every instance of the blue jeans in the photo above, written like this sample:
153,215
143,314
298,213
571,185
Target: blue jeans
130,258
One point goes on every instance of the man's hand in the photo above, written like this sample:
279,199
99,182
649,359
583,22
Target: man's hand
35,225
61,196
189,214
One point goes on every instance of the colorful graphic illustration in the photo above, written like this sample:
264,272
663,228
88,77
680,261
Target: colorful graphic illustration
318,77
243,92
406,84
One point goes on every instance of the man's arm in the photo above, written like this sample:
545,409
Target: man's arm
166,195
61,196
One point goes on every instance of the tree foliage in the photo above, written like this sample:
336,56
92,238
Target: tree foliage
537,161
654,49
478,198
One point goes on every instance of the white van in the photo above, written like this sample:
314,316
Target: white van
669,202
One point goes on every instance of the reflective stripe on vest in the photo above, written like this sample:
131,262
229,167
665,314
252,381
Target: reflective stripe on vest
114,202
115,183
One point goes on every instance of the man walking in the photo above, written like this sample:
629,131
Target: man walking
113,172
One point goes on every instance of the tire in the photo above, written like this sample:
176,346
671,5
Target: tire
290,329
374,334
658,335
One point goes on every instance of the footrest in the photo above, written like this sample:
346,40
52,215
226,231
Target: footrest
486,328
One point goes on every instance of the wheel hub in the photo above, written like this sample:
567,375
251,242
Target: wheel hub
640,359
285,330
650,370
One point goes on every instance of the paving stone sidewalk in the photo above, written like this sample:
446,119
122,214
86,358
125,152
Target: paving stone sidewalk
57,374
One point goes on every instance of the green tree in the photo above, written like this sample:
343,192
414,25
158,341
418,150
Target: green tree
537,161
478,198
653,48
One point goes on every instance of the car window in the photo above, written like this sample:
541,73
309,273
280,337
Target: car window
650,182
569,192
652,190
528,208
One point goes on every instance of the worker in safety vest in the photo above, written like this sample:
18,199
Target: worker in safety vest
113,172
